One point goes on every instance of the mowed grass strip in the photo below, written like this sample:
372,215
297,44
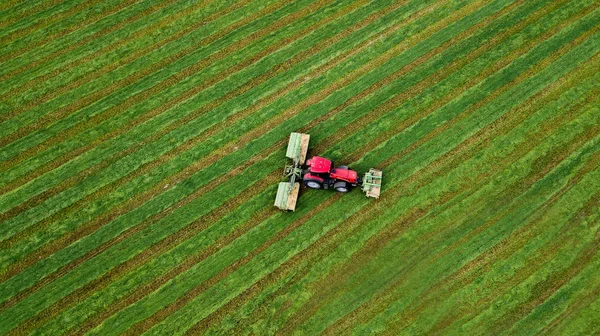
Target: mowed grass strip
39,17
188,93
168,182
388,298
547,126
43,54
72,24
103,44
259,149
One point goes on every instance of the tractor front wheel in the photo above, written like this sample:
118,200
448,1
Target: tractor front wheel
341,186
313,184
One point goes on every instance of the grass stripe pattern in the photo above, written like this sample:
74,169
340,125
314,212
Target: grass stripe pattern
142,143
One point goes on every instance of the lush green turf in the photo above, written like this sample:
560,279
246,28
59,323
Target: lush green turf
142,143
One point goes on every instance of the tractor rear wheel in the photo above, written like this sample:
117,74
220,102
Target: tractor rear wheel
313,184
341,186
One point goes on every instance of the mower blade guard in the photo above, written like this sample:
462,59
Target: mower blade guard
287,195
298,147
372,183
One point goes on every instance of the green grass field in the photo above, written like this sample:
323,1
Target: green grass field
142,143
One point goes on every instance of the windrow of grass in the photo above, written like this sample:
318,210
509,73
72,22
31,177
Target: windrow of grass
354,288
342,249
405,318
93,38
138,186
71,24
36,18
210,294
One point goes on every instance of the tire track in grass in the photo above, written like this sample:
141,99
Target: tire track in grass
465,154
72,181
270,150
563,50
49,118
186,147
45,21
33,45
65,30
483,262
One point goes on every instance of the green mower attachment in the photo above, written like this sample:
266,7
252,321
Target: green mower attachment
287,192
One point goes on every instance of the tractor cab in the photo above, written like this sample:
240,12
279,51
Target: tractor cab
319,165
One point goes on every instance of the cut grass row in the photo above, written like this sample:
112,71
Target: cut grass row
405,259
167,175
43,58
191,111
223,292
82,18
546,125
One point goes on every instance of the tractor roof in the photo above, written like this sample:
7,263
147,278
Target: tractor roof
319,165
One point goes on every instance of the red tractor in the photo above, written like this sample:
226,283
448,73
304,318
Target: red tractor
320,173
